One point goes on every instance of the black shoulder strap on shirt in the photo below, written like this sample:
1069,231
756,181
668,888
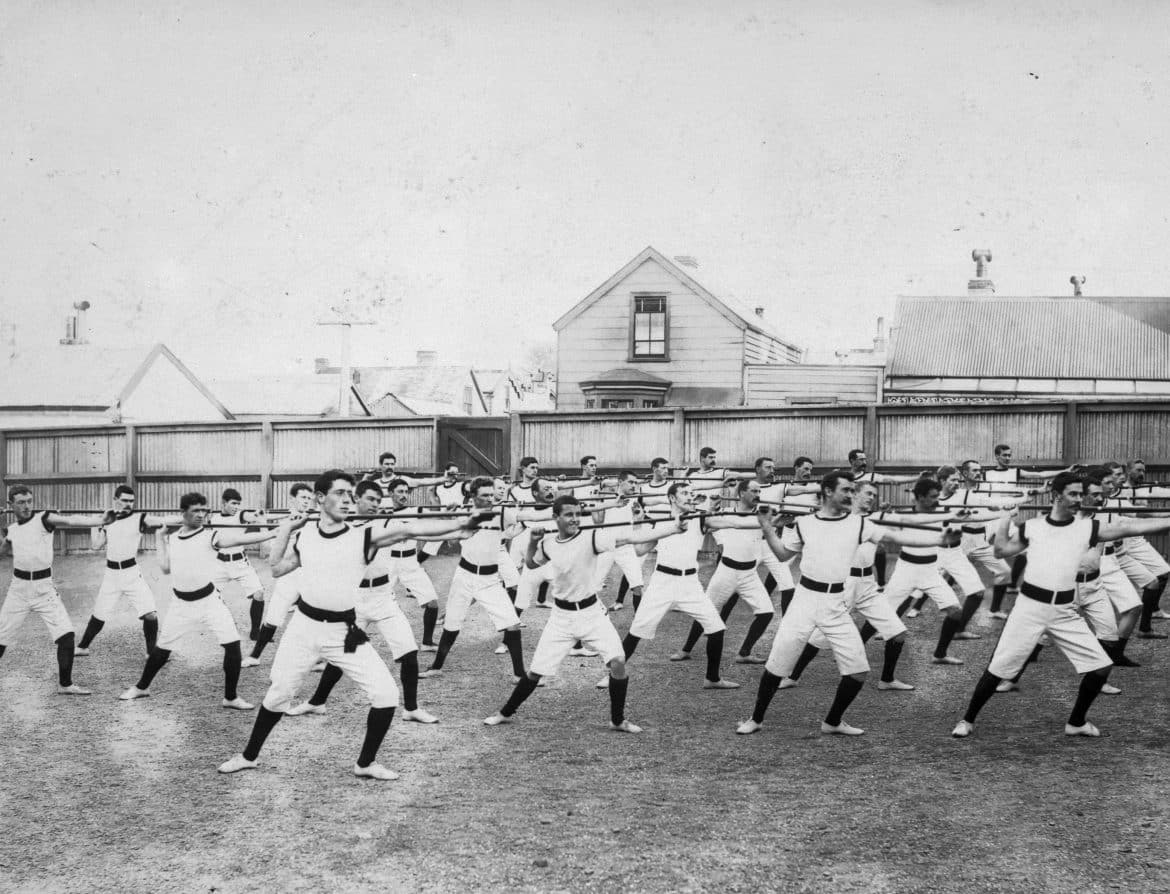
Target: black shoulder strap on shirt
860,528
595,552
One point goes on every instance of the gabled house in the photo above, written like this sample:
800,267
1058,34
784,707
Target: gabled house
653,335
428,388
290,395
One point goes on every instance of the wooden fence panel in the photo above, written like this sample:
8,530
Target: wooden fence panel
926,436
298,449
618,439
741,438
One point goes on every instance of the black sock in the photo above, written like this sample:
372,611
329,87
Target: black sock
1110,647
65,646
232,656
807,654
1034,656
1119,657
92,629
256,614
1091,685
623,588
430,618
1018,566
330,677
617,698
759,624
629,644
890,660
150,632
984,690
267,632
446,641
2,648
786,599
637,599
728,606
154,662
515,651
511,591
714,655
919,602
693,636
998,592
542,592
970,606
1150,597
408,672
950,626
867,631
879,567
903,607
422,557
524,688
377,725
847,691
770,583
769,683
265,721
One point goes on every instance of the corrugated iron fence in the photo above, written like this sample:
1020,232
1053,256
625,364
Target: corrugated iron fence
73,468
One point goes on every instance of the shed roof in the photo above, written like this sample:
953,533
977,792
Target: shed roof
428,384
1043,338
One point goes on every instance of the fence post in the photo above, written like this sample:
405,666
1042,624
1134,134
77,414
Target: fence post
132,457
268,460
515,443
436,447
869,436
678,438
4,462
1071,433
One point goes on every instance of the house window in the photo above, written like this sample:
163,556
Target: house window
652,402
616,404
648,328
467,400
589,404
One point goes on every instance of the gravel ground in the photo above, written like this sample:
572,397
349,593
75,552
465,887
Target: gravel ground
101,795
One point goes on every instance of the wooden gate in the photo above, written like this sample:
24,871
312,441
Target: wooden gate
477,444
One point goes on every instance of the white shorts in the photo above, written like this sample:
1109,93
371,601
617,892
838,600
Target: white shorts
485,589
667,591
377,607
962,572
33,597
627,559
1141,549
589,625
239,571
911,576
305,643
727,580
771,563
285,593
1031,619
530,581
1117,587
208,613
430,547
808,612
862,595
407,571
1093,603
123,582
1139,575
509,573
981,554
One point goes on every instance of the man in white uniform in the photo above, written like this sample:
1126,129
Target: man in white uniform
234,564
628,561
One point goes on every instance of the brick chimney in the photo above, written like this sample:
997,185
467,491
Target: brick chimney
75,326
880,343
981,286
1077,282
759,312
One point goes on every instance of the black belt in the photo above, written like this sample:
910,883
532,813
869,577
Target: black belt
195,595
1110,550
229,557
738,566
809,584
1052,597
376,582
677,572
478,569
1085,578
32,575
354,635
118,566
401,553
575,606
917,560
969,530
861,572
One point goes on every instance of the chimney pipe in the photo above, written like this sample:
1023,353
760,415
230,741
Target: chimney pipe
981,286
1077,282
879,339
759,311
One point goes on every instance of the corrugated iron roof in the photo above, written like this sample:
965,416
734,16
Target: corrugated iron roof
1042,338
427,384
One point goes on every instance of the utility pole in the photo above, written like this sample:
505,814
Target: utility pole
346,377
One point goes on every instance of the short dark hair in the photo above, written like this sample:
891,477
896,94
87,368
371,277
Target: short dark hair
1064,479
527,461
364,487
298,488
1093,476
923,486
861,484
1113,465
829,482
1000,447
624,474
385,456
1136,462
706,451
449,466
481,481
659,460
760,460
676,487
945,472
562,501
744,484
967,463
397,482
325,480
18,490
854,453
123,489
587,457
230,494
192,499
801,460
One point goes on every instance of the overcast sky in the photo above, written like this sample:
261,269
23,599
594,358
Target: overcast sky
217,176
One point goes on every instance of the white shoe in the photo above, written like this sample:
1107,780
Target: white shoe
966,634
720,684
894,685
1110,689
419,715
583,653
134,692
238,703
1160,615
1007,686
430,672
912,613
79,652
249,661
788,683
748,727
946,659
427,647
1087,730
73,689
625,727
681,656
999,616
603,683
962,729
375,771
496,720
750,659
501,649
305,708
237,763
841,729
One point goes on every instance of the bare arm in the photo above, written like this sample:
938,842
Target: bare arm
424,529
75,521
280,558
1007,544
228,539
650,534
1136,527
717,522
164,552
882,478
921,538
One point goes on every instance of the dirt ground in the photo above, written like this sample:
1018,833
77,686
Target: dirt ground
102,795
